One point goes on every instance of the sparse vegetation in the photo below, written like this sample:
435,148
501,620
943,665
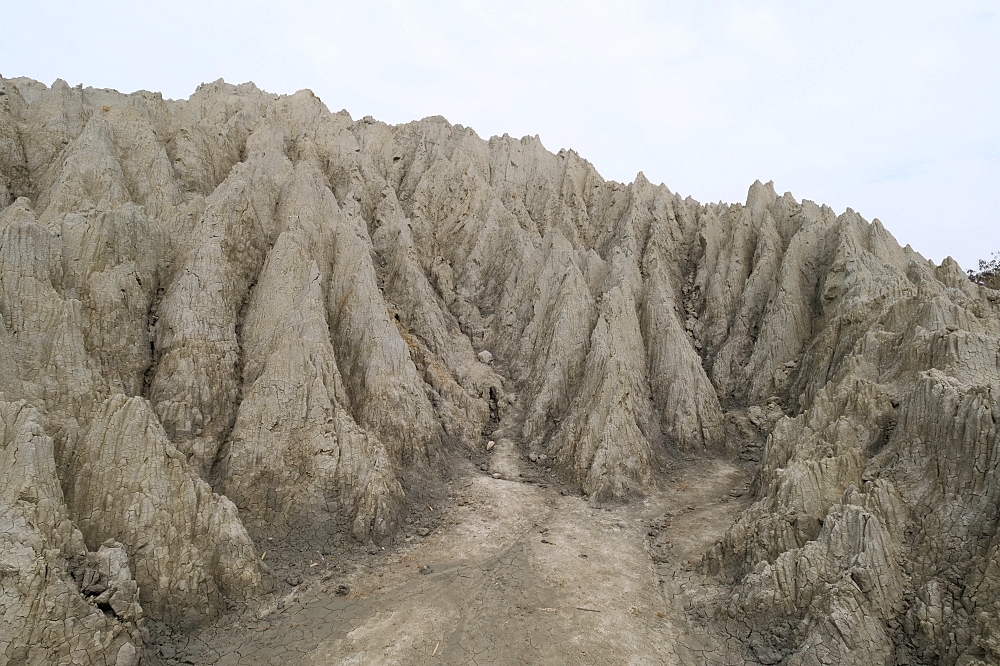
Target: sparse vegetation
988,273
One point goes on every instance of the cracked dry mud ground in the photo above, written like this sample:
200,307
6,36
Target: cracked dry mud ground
517,573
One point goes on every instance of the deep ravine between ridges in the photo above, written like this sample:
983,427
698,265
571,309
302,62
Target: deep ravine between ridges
239,329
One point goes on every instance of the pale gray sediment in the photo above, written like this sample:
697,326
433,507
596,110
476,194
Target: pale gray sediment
243,335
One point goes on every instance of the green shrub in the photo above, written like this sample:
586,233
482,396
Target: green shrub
989,272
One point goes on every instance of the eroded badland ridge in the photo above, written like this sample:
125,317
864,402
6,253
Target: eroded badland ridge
253,351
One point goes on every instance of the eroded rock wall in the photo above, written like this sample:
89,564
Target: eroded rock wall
240,316
61,603
876,518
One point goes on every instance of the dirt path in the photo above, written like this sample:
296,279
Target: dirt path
520,574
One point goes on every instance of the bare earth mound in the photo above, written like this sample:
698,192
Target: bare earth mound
281,387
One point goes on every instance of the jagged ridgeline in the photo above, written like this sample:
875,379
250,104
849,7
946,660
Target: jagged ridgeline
240,316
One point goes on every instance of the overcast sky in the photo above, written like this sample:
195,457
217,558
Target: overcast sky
891,108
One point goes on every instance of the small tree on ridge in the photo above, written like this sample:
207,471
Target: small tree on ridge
989,272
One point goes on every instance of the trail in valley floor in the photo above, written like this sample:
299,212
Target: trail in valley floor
518,573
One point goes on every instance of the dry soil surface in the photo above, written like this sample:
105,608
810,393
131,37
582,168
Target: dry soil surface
517,573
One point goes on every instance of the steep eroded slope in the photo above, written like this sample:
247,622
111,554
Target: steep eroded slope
240,317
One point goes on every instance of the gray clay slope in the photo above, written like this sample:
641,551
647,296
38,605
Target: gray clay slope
238,317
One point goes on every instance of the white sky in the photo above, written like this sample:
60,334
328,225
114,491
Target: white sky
891,108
